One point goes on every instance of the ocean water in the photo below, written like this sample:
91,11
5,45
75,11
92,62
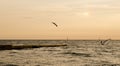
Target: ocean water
76,53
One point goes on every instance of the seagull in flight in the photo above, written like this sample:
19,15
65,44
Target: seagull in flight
55,24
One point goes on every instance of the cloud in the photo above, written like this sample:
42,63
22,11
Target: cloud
96,7
80,7
83,14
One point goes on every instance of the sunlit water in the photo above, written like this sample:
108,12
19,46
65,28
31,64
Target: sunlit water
77,53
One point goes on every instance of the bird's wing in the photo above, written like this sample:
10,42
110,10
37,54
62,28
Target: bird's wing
55,24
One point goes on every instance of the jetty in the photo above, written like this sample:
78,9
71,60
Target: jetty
25,46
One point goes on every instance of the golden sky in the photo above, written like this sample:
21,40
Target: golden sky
77,19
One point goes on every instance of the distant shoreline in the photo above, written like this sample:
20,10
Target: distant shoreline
60,39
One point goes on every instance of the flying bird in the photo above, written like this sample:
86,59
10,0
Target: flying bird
55,24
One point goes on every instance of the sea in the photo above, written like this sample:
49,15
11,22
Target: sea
76,53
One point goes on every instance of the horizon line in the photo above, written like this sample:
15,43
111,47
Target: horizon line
52,39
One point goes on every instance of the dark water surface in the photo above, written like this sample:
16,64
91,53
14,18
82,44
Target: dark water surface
76,53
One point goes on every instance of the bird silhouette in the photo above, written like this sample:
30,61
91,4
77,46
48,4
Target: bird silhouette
55,24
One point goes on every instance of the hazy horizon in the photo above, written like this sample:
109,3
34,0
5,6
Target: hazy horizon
79,19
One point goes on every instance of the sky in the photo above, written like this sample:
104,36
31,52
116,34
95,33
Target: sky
76,19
